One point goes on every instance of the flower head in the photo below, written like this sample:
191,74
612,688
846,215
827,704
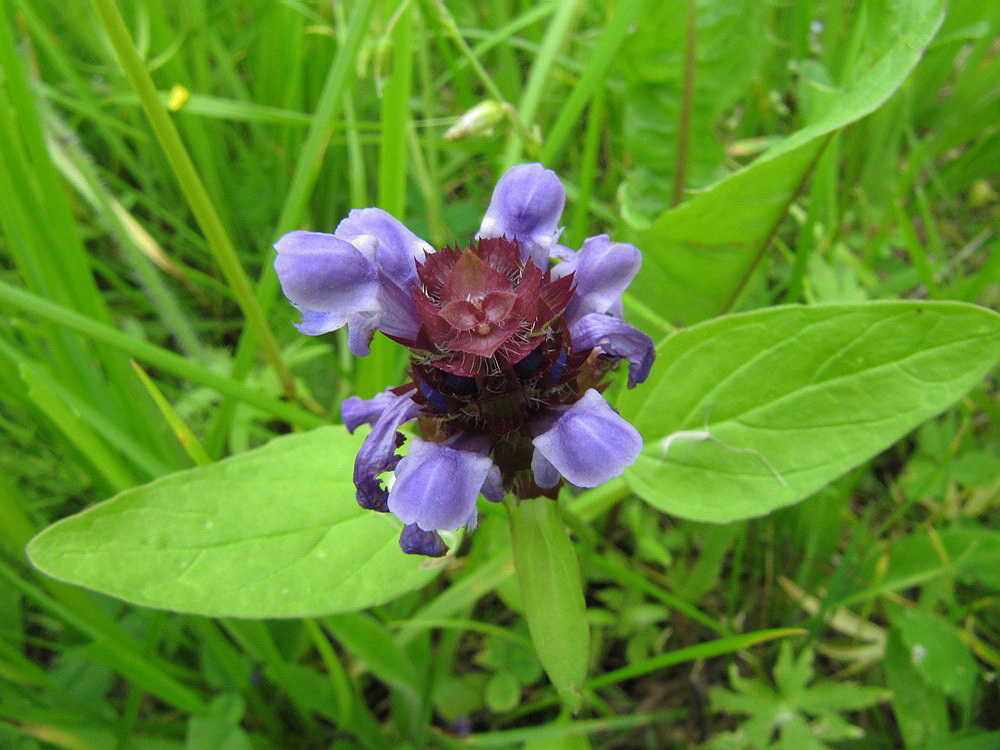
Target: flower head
507,353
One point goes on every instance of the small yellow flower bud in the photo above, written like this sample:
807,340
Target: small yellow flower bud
178,97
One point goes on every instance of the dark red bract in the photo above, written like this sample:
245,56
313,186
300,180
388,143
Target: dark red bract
482,310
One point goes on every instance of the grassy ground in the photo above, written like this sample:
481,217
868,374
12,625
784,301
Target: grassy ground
143,332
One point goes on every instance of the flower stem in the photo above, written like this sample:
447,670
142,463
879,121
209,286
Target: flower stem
552,594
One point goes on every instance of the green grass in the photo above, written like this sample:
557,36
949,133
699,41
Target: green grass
151,153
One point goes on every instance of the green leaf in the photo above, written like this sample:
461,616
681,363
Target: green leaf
698,254
939,655
552,595
503,692
794,396
368,640
220,729
274,532
920,709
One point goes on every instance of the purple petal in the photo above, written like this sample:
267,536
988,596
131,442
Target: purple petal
526,205
415,541
546,475
602,271
399,312
395,251
314,323
589,443
493,486
617,339
360,329
356,411
378,452
437,483
319,272
392,246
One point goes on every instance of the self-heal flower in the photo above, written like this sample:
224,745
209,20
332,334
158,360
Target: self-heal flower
507,354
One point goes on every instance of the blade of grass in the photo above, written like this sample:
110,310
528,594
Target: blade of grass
193,188
77,432
113,650
307,168
560,730
78,169
541,74
592,81
154,355
184,434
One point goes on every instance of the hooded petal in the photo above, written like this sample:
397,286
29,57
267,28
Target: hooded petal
319,272
602,271
617,339
393,247
378,452
437,483
395,251
588,443
527,204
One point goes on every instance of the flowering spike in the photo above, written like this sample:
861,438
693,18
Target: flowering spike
508,355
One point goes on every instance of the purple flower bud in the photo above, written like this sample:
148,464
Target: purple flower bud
526,206
415,541
588,443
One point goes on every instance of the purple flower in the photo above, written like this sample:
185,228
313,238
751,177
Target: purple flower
587,443
508,353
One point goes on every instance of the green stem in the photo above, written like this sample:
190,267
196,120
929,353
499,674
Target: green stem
592,84
448,21
548,576
193,188
541,73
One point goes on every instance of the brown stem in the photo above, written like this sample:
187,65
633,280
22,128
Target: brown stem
687,97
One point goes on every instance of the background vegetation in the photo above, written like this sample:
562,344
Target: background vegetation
115,247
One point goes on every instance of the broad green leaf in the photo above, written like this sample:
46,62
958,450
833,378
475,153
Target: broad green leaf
552,595
274,532
698,254
793,397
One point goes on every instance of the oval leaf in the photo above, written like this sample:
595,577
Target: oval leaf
274,532
793,397
697,254
552,595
